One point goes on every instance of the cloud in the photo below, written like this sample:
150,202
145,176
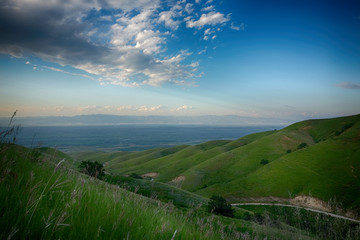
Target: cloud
184,107
128,48
149,109
63,71
189,8
117,109
202,51
166,17
238,28
208,9
348,85
211,18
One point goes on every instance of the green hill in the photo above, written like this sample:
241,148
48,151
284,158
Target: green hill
43,196
318,158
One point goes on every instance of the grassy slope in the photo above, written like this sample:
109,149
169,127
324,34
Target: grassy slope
40,200
327,168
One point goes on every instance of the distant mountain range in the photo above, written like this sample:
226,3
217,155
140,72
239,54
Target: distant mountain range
101,119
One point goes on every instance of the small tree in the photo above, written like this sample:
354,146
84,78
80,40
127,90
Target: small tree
302,145
264,161
93,169
218,205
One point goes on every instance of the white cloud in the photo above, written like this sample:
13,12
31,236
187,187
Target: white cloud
211,18
106,18
149,41
184,107
149,109
189,8
202,51
118,109
208,9
130,49
238,28
166,17
63,71
207,31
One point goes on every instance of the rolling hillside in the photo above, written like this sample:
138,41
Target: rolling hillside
318,158
43,197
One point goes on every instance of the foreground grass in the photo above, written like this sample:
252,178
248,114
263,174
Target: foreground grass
41,198
40,201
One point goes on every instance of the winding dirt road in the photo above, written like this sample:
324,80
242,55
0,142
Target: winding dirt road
293,206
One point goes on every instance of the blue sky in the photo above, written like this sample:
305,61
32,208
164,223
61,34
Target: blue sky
289,60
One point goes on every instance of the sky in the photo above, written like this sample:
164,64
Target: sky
281,59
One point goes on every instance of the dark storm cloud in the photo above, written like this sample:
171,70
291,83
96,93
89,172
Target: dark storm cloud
46,33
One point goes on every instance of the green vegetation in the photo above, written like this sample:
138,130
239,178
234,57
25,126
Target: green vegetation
316,224
218,205
302,145
44,196
326,167
44,201
93,169
264,161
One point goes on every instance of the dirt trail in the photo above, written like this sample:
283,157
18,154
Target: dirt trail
294,206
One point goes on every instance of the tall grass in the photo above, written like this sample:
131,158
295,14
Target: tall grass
39,201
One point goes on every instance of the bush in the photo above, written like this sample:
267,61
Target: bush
302,145
264,161
288,151
136,176
218,205
93,169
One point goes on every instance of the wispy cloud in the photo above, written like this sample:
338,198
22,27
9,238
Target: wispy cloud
63,71
238,28
349,85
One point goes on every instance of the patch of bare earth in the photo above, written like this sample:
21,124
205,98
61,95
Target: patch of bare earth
306,128
310,202
285,141
178,179
150,175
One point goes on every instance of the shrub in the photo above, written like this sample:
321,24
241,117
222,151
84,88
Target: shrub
302,145
218,205
93,169
288,151
264,161
136,176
